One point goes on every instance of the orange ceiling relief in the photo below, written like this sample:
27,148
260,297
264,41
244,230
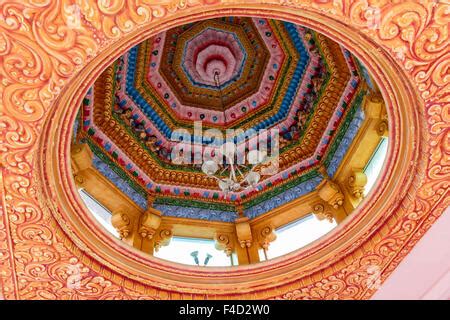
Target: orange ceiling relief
52,248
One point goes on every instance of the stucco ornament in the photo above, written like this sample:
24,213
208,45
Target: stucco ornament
47,47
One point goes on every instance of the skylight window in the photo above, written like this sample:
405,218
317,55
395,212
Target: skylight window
194,251
100,213
375,164
296,235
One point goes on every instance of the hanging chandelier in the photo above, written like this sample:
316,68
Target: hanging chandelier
236,179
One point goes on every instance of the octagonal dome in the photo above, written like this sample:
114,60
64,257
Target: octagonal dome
273,75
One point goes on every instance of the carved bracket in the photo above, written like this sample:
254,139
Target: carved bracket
150,222
123,224
374,105
382,128
244,232
322,212
224,242
81,157
162,238
356,183
331,193
265,236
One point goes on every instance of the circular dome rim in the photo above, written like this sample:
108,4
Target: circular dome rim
73,203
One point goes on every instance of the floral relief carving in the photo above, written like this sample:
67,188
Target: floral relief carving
43,45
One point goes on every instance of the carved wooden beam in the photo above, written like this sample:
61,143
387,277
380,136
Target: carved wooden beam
374,105
374,108
324,211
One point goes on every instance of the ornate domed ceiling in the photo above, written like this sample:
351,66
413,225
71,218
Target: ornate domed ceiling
51,246
271,75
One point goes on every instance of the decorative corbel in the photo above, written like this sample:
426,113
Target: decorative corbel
374,109
331,193
244,232
150,222
374,105
321,212
162,238
82,157
382,127
266,235
224,242
356,183
123,223
79,179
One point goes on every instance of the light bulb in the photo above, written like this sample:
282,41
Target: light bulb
210,167
224,185
235,187
255,156
253,178
228,149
